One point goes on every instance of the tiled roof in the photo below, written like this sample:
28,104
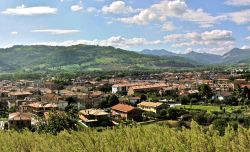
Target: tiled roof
150,104
122,108
245,85
96,112
20,116
35,105
149,86
129,84
19,93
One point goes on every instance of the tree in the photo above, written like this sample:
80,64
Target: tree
105,88
184,100
59,121
246,92
143,97
109,101
172,113
113,100
71,100
205,91
220,125
193,100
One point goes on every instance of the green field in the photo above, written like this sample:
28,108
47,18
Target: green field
152,138
211,108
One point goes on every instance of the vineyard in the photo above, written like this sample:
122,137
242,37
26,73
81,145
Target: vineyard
139,138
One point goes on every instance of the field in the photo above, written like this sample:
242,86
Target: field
153,138
210,108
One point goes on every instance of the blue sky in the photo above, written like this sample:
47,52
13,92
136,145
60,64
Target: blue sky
212,26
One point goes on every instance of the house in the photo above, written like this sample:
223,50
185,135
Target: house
94,117
155,107
50,85
223,85
168,91
223,95
239,82
126,112
56,99
146,88
245,85
19,120
61,104
124,87
19,95
39,108
51,97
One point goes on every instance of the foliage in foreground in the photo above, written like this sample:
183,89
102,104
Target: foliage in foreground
139,138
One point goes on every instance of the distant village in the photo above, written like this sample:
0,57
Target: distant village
109,102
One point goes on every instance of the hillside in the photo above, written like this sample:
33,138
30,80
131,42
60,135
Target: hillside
161,52
237,56
234,56
81,57
204,58
127,139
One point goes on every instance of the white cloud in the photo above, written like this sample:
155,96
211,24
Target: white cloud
214,35
157,12
166,9
14,33
248,38
26,11
245,47
118,7
76,8
222,39
115,41
202,18
240,17
168,26
56,31
238,2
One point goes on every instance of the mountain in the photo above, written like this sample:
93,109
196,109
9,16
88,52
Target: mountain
204,58
234,56
237,55
161,52
81,58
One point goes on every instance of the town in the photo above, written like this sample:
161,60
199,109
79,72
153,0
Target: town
165,98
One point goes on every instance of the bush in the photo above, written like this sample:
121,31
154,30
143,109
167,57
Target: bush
220,125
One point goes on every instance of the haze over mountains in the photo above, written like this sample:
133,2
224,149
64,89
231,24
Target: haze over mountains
234,56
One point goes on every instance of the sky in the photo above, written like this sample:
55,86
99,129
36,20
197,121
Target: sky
180,26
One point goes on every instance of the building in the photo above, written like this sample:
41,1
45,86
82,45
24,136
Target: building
223,85
126,112
19,120
38,108
223,95
94,117
124,87
155,107
19,95
146,88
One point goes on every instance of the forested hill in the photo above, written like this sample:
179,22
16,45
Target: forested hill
81,58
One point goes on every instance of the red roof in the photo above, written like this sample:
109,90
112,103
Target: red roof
122,108
245,85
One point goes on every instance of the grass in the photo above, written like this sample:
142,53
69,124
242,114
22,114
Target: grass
155,138
212,108
3,119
